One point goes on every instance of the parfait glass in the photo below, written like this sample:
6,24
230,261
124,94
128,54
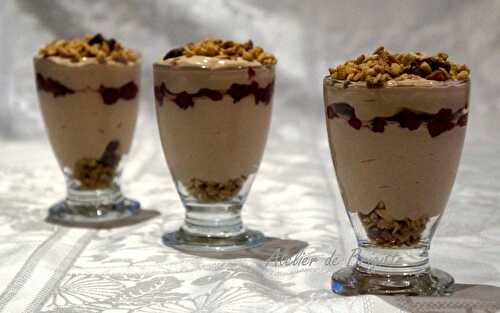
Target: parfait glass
90,111
213,127
396,151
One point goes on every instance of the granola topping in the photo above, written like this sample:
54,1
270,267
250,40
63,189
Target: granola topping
223,49
89,47
383,66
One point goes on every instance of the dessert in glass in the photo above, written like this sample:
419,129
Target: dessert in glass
213,103
396,126
88,92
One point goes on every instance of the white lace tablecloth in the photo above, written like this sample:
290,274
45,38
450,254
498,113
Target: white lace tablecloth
48,268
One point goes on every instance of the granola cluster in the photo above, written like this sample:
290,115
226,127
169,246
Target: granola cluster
382,66
223,49
212,191
385,231
88,46
93,174
99,173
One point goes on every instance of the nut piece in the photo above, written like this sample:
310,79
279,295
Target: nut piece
102,49
424,66
382,66
229,50
212,191
387,232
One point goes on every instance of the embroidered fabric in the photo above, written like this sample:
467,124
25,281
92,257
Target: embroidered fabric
295,199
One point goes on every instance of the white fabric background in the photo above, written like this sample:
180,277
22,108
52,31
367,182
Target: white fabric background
52,269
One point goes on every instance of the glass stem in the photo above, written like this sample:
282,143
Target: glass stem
411,260
213,220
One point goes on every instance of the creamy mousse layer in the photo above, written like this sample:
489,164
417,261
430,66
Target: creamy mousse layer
89,108
214,117
397,147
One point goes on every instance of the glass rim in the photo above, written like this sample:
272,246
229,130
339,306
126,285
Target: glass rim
328,81
162,66
37,57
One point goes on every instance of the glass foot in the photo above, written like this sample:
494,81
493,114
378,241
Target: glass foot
63,213
183,240
351,281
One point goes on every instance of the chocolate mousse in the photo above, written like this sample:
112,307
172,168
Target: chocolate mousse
396,125
214,110
88,92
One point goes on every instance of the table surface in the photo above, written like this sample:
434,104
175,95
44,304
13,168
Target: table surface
49,268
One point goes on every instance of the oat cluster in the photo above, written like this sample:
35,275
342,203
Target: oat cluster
212,191
382,66
98,173
224,49
93,174
385,231
88,46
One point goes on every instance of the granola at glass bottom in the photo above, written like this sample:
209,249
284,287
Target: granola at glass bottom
223,49
98,173
89,46
385,231
382,66
212,191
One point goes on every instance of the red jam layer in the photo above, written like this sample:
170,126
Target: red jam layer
436,124
185,100
109,95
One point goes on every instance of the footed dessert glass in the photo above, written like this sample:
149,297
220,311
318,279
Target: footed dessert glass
213,125
90,111
396,151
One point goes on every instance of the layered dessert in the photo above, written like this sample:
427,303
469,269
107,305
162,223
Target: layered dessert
396,126
88,93
213,101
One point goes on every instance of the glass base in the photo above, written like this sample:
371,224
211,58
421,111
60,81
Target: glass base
64,213
351,281
183,240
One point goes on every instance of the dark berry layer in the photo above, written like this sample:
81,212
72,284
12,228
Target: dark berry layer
185,100
110,95
436,124
52,86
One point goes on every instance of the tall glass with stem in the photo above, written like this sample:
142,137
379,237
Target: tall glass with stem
396,151
90,110
213,125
